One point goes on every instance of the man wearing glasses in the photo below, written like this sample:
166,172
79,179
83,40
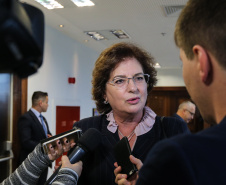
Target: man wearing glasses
186,111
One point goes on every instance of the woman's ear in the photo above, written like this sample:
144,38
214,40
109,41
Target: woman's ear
105,97
204,62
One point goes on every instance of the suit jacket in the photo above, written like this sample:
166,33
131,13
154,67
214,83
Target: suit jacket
30,133
177,116
195,159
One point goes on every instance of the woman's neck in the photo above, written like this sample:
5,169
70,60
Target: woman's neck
128,119
128,123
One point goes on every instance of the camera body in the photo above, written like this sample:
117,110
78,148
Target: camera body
21,38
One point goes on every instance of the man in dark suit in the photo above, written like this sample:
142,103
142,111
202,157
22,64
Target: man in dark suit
33,128
185,111
195,159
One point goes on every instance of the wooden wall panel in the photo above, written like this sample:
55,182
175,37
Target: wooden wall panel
164,101
19,108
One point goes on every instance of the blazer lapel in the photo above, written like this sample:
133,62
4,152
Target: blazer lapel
109,140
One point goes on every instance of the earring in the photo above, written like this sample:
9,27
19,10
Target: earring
105,102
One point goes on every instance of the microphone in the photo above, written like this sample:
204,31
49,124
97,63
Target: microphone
87,143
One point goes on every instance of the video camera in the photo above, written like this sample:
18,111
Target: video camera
21,38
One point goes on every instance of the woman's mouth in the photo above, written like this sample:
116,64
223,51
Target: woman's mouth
133,100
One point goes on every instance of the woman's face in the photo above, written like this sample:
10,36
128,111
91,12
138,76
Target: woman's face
130,99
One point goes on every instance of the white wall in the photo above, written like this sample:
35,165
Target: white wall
63,58
170,77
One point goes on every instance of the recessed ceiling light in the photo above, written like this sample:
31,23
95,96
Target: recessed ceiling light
50,4
61,25
157,65
81,3
120,34
95,35
107,34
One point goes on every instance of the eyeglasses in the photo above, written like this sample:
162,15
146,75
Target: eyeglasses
122,82
192,114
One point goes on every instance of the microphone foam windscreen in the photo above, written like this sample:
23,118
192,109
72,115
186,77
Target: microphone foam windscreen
90,139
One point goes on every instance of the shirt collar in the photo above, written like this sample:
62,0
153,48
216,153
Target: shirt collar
143,127
37,114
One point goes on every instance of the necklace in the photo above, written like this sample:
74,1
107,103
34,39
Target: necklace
129,137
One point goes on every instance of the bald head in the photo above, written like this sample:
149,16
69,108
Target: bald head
186,111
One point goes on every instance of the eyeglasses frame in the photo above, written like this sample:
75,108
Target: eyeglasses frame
192,114
113,84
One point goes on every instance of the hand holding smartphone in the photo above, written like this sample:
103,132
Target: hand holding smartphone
122,152
71,135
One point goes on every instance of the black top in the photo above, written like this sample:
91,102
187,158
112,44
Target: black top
98,166
178,117
194,159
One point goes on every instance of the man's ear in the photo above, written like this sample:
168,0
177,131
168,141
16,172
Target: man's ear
40,102
204,62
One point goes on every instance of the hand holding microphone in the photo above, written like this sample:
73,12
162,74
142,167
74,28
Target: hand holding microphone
88,142
77,167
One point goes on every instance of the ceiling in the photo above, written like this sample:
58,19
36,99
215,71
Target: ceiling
145,21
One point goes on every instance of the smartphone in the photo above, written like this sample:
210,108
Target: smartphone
122,152
72,135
